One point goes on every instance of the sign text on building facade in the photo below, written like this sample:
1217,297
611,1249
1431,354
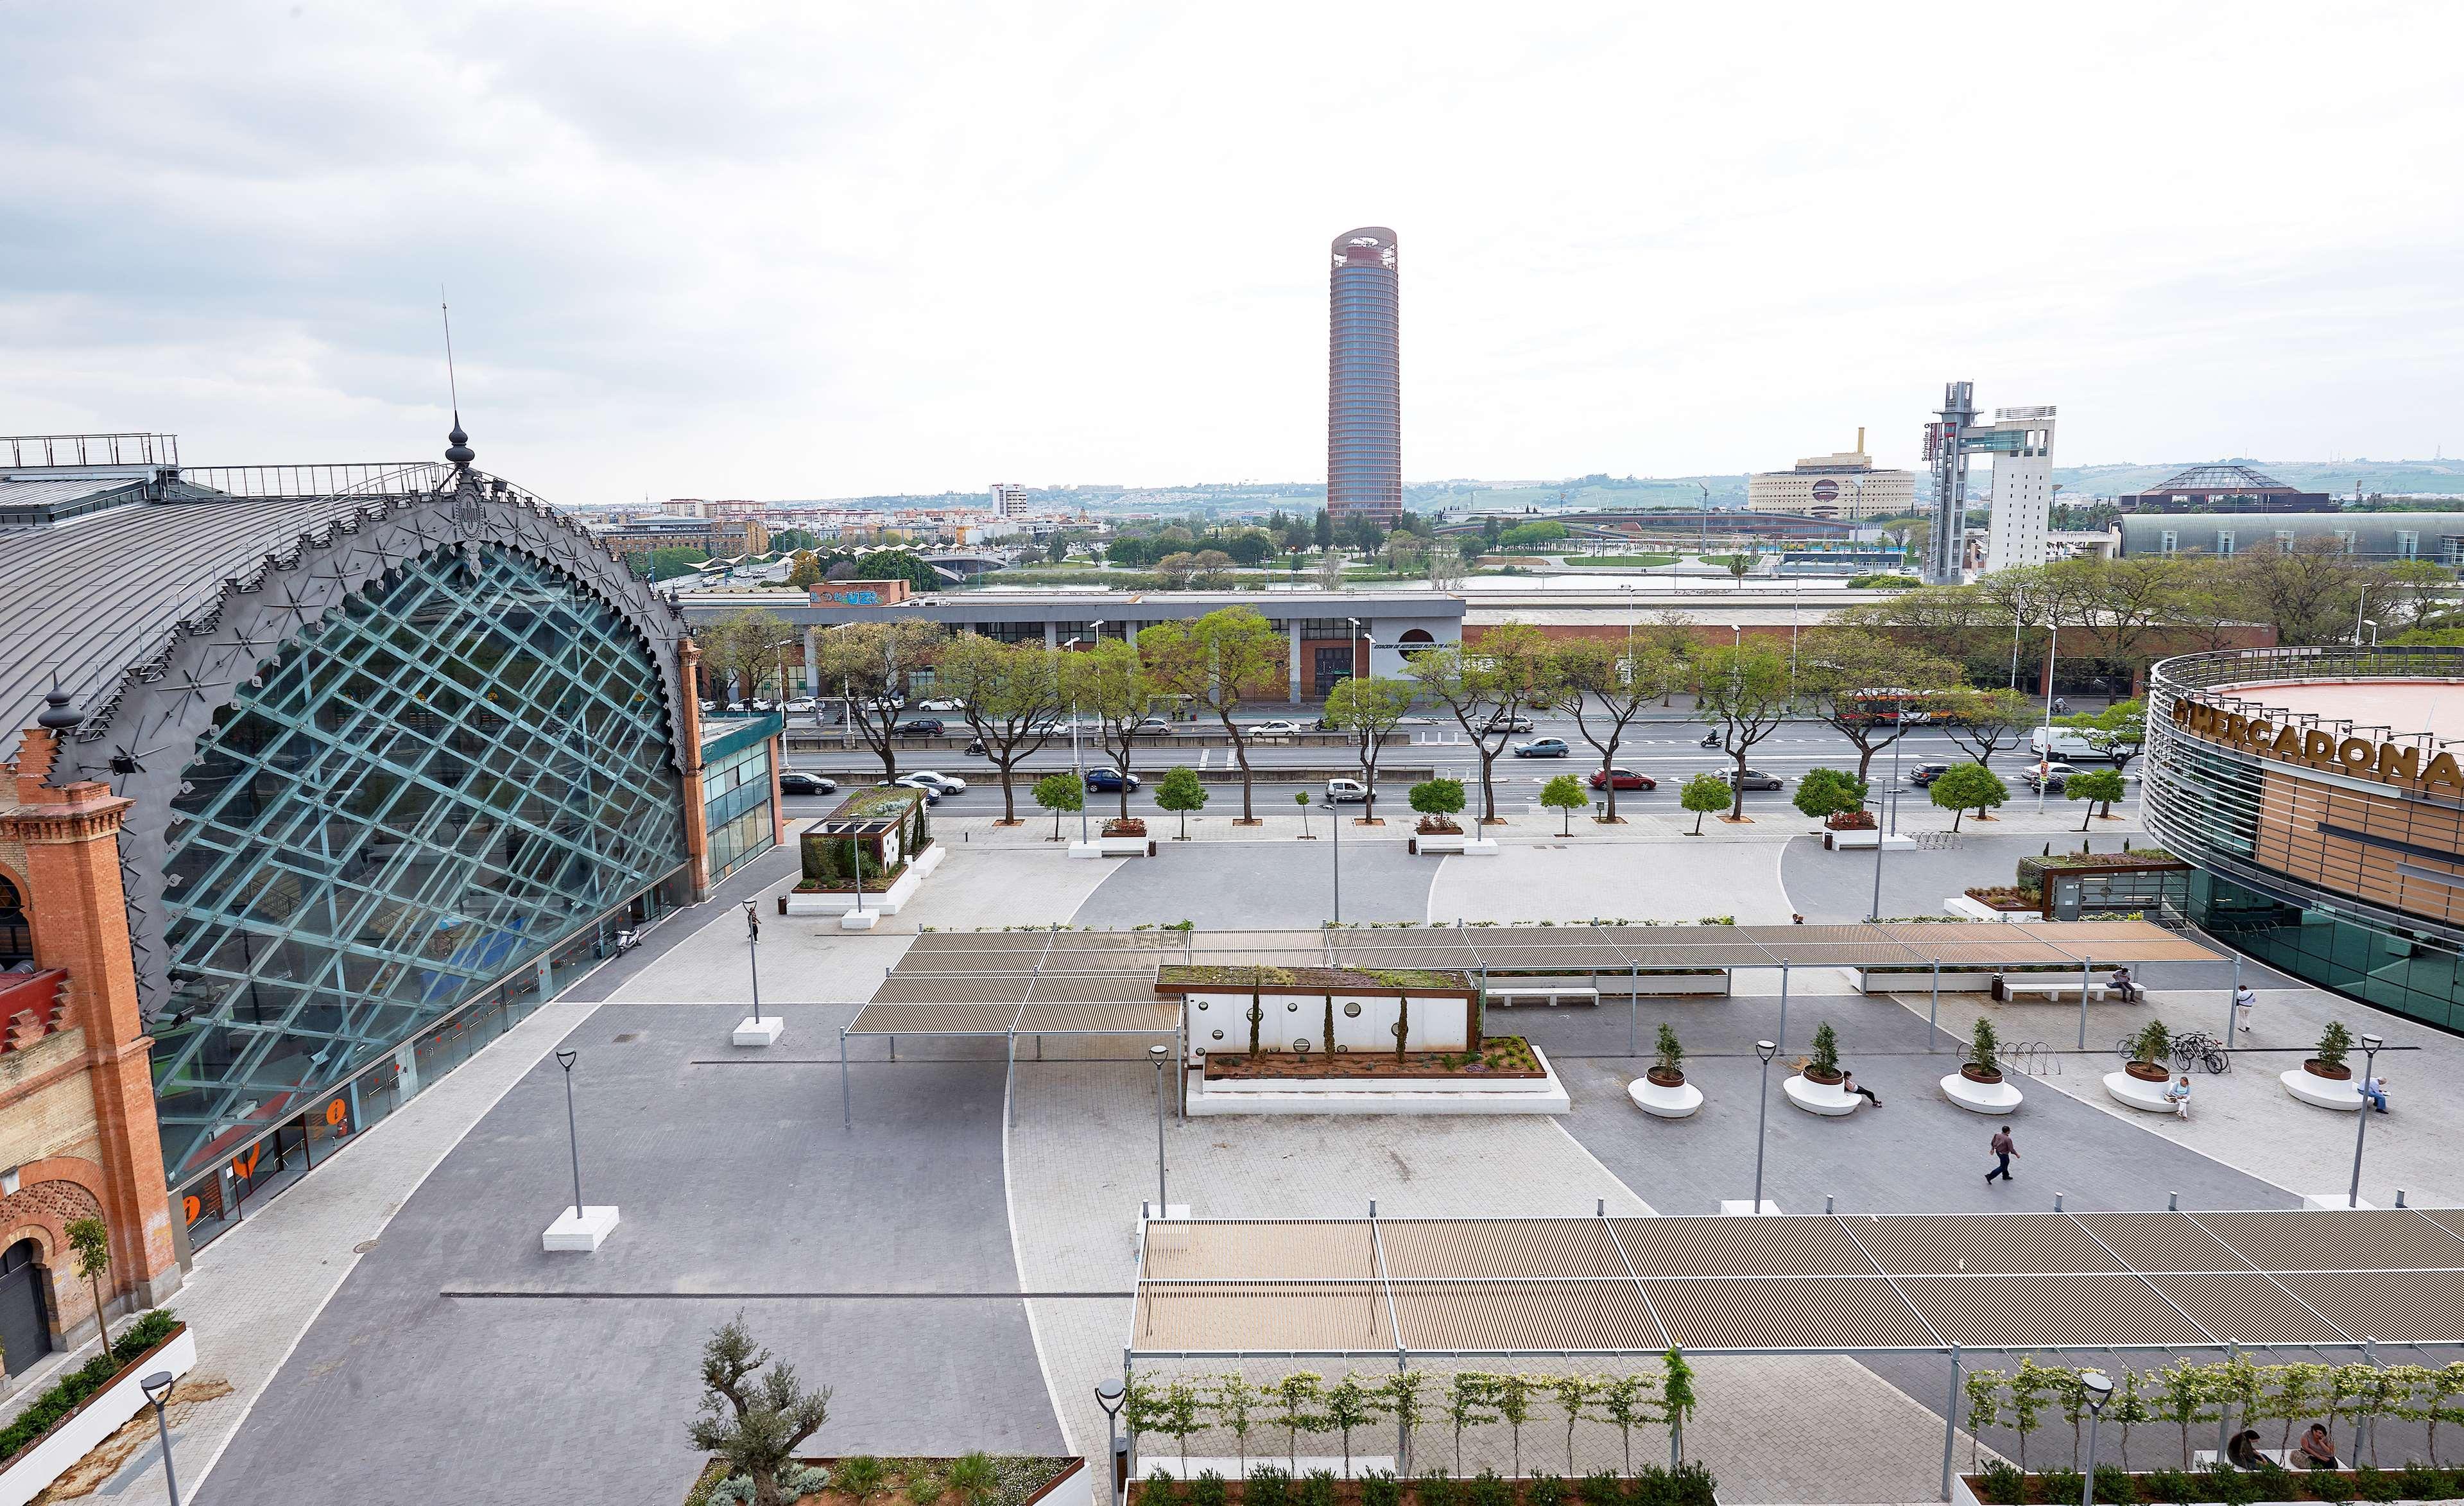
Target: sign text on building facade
2392,763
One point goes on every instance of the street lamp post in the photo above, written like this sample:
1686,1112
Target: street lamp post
1110,1396
1075,767
573,1133
2098,1385
1159,1054
2371,1045
158,1390
2045,755
1334,819
1766,1050
752,952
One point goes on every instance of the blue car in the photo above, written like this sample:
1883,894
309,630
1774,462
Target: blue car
1108,781
1544,747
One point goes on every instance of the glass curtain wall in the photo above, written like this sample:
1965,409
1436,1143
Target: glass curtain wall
465,765
736,795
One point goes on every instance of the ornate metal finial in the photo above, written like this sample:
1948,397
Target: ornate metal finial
457,448
57,715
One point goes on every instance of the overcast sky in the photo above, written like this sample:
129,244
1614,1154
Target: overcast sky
821,250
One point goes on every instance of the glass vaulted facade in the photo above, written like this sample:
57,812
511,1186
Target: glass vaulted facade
406,832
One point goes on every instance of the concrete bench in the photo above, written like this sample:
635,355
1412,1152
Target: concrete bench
1506,998
2012,988
2201,1458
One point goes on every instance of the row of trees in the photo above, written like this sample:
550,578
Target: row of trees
1305,1401
2187,1395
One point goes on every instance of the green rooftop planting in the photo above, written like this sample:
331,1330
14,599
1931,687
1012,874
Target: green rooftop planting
1173,977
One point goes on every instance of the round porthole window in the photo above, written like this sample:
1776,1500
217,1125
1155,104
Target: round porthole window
1340,1049
1294,1007
1202,1004
1301,1045
1219,1036
1351,1011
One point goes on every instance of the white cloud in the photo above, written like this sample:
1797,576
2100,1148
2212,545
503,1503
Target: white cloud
790,251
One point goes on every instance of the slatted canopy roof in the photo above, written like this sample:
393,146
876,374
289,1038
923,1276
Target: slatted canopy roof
1090,966
1338,1288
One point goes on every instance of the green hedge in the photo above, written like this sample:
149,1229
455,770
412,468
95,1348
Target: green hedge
73,1388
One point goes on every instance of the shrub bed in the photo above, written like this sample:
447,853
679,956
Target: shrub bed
70,1391
1267,1484
1018,1479
2002,1485
1499,1056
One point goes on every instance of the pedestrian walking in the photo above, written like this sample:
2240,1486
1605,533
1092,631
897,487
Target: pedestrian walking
2245,1000
2003,1148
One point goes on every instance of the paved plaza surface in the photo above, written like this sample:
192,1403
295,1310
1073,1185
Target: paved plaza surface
890,1262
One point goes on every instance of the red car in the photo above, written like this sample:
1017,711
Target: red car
1624,777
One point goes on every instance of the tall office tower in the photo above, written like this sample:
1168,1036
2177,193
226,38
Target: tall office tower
1009,499
2021,441
1364,402
1947,456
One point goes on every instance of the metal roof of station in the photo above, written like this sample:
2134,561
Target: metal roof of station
1336,1288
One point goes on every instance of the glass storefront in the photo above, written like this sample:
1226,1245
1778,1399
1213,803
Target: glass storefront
2399,968
736,793
453,778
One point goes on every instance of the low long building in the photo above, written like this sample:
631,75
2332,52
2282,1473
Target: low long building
2435,537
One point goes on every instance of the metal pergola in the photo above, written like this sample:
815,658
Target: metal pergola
1007,1023
1603,1287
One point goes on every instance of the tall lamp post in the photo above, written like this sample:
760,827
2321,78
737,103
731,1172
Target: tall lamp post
1160,1056
158,1390
1075,767
2371,1045
1110,1396
583,1228
758,1031
1766,1050
2098,1385
2045,755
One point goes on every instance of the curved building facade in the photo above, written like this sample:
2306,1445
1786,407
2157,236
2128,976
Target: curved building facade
2321,795
1364,394
388,764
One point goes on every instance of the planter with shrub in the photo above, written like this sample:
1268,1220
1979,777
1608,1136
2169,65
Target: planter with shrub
2324,1080
1662,1091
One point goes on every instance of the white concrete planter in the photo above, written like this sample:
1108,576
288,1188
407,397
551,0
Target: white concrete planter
97,1420
1968,909
1982,1097
1868,982
1455,846
2324,1092
1848,841
1667,1104
1649,986
1402,1095
884,901
1113,846
2138,1092
1830,1099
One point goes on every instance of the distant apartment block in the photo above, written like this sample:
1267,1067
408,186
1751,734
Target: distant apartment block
1364,402
2021,442
1009,499
1844,485
720,539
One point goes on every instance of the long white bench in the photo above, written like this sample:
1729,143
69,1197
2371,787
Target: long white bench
1521,993
2012,988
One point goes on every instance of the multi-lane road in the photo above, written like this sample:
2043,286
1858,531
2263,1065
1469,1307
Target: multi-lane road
1666,750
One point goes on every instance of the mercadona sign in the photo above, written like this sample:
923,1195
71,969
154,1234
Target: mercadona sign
2392,763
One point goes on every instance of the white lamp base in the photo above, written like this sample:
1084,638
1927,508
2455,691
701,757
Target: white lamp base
859,919
1744,1207
585,1233
763,1032
2316,1201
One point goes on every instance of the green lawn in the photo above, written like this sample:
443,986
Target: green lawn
1626,560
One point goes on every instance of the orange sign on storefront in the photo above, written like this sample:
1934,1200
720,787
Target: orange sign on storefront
2391,762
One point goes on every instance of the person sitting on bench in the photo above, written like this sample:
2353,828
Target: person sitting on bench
2318,1448
2243,1450
2131,991
1848,1084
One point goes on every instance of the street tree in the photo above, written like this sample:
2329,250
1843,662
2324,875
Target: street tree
1058,793
1670,632
2118,732
1487,687
1744,693
754,1419
2309,591
1829,793
1702,794
1865,686
91,1239
1010,693
2094,786
1984,721
1180,793
746,644
871,662
1368,709
1220,661
1564,794
1107,678
1442,798
1606,691
1968,787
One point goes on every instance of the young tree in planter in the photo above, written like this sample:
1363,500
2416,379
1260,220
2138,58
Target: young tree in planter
1966,788
1629,1400
1438,797
1469,1401
1576,1397
1234,1395
1984,1390
1058,793
1564,794
2094,786
871,661
1180,1417
1744,693
2183,1397
1676,1400
1181,793
755,1423
2153,1045
2335,1044
1486,687
1823,1064
91,1239
1984,1048
2029,1389
1294,1395
2293,1396
1011,693
1826,792
1108,679
1511,1394
1368,709
1217,661
1350,1405
1668,1056
1606,689
1401,1401
1301,798
1703,794
1985,721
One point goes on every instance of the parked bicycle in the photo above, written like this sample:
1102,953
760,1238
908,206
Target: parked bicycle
2190,1048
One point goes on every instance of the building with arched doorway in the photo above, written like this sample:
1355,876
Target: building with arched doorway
327,776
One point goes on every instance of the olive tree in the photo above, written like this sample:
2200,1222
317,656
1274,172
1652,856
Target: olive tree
751,1418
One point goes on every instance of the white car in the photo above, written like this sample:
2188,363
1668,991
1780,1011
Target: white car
1274,729
945,703
800,706
946,783
1342,791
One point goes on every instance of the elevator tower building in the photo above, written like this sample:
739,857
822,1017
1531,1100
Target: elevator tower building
1364,404
2021,442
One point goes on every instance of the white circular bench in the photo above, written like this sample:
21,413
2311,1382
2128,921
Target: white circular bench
2325,1092
2139,1092
1667,1104
1981,1097
1829,1099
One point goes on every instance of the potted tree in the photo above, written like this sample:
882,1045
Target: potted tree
1662,1091
2142,1081
1816,1086
1437,800
1984,1063
1834,798
2325,1080
2335,1044
1823,1065
1977,1086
